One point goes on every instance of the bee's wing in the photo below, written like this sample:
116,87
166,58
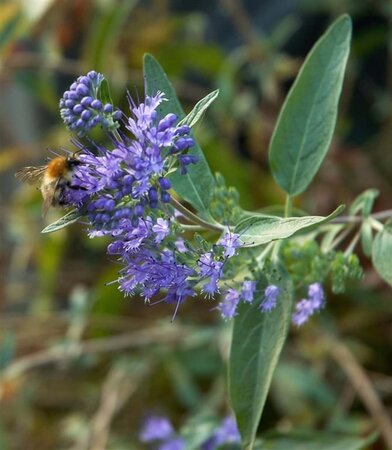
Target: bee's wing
31,174
48,192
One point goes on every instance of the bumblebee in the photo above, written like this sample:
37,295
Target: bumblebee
52,178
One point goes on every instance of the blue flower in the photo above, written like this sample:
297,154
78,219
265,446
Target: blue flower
248,290
226,433
156,428
271,294
228,305
316,295
230,242
305,308
82,110
161,229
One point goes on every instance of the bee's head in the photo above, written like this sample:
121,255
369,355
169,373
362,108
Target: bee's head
73,162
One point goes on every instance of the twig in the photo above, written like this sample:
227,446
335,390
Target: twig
117,389
164,335
365,390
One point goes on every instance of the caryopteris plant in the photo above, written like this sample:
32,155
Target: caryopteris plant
179,233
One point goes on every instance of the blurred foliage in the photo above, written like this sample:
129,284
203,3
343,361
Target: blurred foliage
81,365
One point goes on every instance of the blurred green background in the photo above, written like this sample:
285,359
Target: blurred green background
81,365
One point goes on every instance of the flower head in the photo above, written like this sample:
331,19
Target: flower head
248,290
156,428
229,304
316,295
82,110
307,307
271,294
230,242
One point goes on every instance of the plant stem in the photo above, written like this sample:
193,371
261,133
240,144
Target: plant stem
288,206
194,218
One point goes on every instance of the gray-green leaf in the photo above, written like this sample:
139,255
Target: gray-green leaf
307,119
258,230
364,202
197,112
257,341
197,185
71,217
382,252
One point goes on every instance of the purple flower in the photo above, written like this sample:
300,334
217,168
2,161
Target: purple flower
307,307
180,245
271,294
228,305
173,444
248,290
156,428
230,242
226,433
316,295
210,270
161,229
303,310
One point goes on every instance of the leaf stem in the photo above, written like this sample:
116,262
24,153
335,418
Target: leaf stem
352,244
194,218
288,206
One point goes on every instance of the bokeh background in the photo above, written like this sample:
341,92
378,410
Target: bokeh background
82,366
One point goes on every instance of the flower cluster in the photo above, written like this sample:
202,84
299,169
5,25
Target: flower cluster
121,182
228,306
82,110
124,191
160,430
308,306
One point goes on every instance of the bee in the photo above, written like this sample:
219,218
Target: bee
53,178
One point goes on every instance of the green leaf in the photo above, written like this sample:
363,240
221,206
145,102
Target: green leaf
71,217
257,341
367,237
315,441
307,119
104,92
382,252
364,202
197,112
197,185
259,230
